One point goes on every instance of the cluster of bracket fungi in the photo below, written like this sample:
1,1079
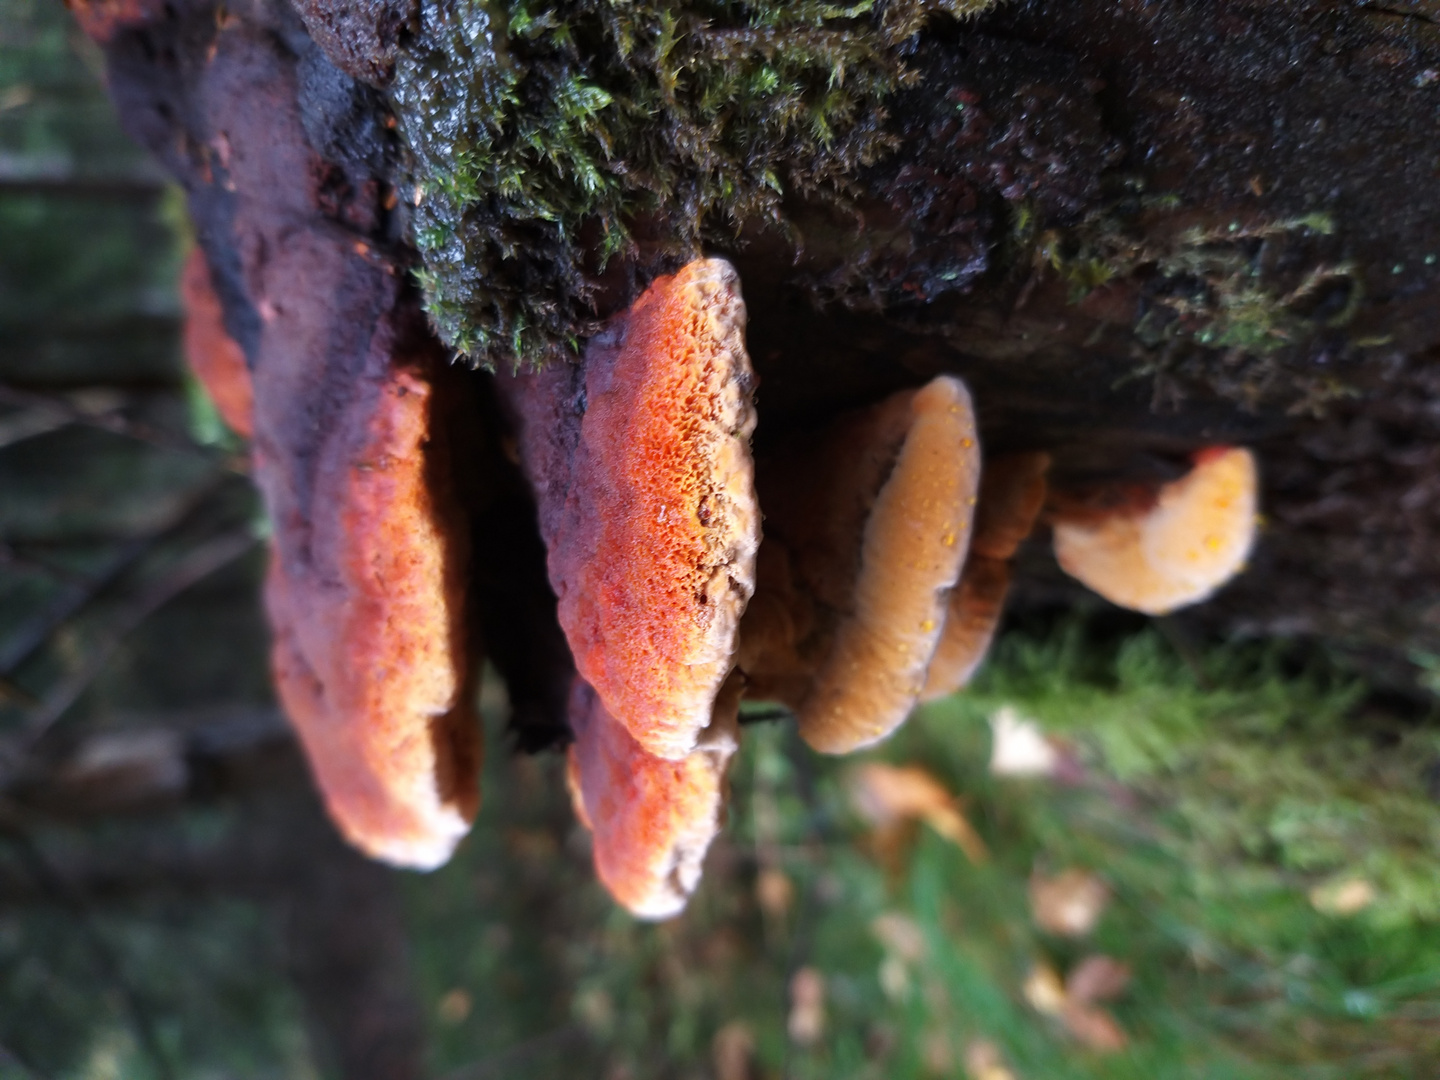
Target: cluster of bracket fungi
846,571
847,575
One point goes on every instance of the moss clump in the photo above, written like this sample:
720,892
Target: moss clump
1242,307
549,138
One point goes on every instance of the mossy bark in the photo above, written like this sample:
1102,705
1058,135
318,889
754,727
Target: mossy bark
1133,228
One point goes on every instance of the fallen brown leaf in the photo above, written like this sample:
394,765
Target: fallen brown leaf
887,795
1068,904
733,1051
454,1006
983,1061
1094,1027
1090,1025
1346,897
1097,978
774,892
1044,990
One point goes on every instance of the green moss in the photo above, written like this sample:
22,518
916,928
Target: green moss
1242,307
547,137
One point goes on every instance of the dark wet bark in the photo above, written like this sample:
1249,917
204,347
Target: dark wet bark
1133,228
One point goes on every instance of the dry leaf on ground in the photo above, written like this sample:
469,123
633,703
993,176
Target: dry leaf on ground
887,795
1044,990
733,1051
983,1061
1094,1027
1068,904
1070,1001
1097,978
1347,897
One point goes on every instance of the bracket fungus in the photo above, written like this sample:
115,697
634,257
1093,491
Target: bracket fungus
215,358
652,819
1175,548
871,524
652,551
1012,491
366,601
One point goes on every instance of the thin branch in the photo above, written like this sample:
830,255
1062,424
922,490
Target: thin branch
194,567
23,643
114,422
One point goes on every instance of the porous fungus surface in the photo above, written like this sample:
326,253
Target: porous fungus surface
1012,492
651,819
547,139
914,545
1155,558
654,559
215,358
369,547
971,618
366,598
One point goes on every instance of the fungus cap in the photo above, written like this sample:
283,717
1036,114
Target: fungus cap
654,560
1012,491
366,602
1194,538
914,545
651,819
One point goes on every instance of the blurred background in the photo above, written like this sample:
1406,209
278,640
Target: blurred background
1128,851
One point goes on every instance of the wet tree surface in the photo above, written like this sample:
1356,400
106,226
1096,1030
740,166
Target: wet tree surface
1133,229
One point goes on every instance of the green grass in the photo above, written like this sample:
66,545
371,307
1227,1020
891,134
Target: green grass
1207,801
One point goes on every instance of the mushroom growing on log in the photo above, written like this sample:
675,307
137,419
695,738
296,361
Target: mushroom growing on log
867,529
1012,491
651,521
1158,551
366,597
1062,201
652,819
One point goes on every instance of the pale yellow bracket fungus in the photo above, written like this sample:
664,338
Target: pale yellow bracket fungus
1012,491
915,541
651,819
1155,558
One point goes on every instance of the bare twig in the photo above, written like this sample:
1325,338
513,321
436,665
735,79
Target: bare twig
197,565
63,411
23,643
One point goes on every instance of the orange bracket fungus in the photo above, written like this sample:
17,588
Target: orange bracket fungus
215,358
1012,491
867,527
652,819
1156,555
366,600
646,498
